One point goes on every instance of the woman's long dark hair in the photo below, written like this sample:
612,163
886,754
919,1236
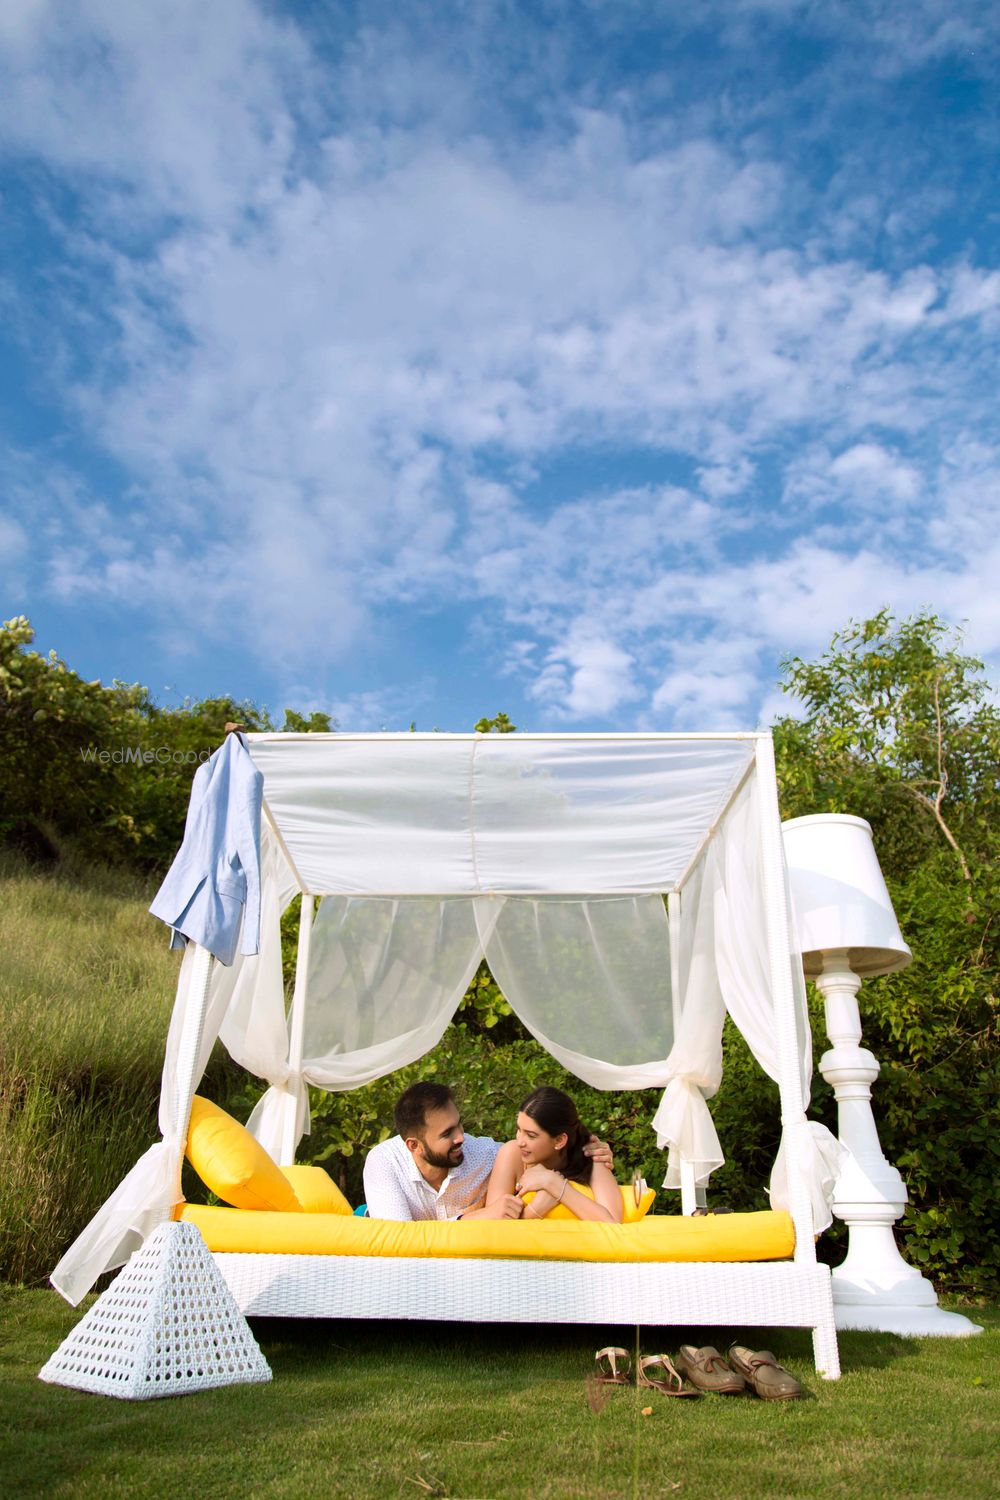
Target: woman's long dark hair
556,1113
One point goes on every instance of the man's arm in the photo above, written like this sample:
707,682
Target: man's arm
508,1206
600,1151
502,1201
384,1193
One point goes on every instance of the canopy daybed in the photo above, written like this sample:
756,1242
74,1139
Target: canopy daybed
416,855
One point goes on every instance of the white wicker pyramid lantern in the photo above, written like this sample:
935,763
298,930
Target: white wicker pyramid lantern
168,1324
847,931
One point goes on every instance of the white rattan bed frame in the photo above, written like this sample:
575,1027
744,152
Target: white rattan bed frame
736,1295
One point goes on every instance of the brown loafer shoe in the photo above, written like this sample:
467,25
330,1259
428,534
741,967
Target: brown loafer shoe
708,1371
762,1373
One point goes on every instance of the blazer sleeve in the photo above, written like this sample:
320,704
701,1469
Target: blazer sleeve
217,867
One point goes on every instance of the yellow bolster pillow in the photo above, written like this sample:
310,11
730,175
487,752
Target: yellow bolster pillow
234,1166
633,1211
316,1190
660,1237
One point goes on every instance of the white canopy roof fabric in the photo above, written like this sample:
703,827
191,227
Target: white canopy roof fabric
450,815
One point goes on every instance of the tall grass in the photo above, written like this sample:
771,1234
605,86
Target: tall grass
86,988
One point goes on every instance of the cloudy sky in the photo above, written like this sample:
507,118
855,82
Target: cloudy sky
580,358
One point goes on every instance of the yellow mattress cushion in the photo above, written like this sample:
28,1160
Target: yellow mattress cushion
316,1190
633,1211
723,1237
234,1166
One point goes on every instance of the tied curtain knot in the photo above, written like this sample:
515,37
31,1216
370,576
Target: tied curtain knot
684,1126
267,1122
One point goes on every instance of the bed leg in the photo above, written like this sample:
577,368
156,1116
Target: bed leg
825,1350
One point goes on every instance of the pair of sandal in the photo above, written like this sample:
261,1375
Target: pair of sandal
614,1367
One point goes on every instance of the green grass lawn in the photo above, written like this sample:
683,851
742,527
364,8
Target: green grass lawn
483,1413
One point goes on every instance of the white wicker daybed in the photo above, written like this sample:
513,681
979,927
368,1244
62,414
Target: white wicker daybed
552,856
365,1272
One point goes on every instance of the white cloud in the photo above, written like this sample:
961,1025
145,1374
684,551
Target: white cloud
180,111
706,700
876,471
585,677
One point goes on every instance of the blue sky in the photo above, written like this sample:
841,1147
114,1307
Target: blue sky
580,358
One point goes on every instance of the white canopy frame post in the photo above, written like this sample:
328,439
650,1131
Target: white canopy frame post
795,1133
793,1114
674,927
189,1046
290,1132
693,1193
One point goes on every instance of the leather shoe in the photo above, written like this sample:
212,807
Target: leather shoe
762,1373
707,1370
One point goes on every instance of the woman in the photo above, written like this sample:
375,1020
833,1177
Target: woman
547,1158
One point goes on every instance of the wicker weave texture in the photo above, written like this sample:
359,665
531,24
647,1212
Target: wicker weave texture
168,1324
509,1291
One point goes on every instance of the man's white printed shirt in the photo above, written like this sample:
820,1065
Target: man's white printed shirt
394,1188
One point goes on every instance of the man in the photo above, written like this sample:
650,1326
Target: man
432,1170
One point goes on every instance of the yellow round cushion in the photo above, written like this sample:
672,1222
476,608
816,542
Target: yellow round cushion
316,1190
633,1211
234,1166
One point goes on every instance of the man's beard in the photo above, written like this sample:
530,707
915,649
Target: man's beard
448,1159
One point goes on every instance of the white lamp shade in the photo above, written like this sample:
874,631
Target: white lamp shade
839,895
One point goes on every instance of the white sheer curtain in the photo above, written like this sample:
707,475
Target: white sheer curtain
741,956
385,978
147,1195
683,1121
590,979
245,1000
741,941
253,1028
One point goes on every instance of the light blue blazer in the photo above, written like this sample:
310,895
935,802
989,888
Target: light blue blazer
213,885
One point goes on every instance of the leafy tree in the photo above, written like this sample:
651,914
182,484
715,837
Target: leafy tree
103,769
900,727
499,724
316,723
896,705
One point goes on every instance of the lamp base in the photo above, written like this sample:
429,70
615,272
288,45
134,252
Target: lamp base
919,1322
875,1289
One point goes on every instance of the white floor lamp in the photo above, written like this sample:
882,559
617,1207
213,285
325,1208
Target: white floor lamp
848,932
